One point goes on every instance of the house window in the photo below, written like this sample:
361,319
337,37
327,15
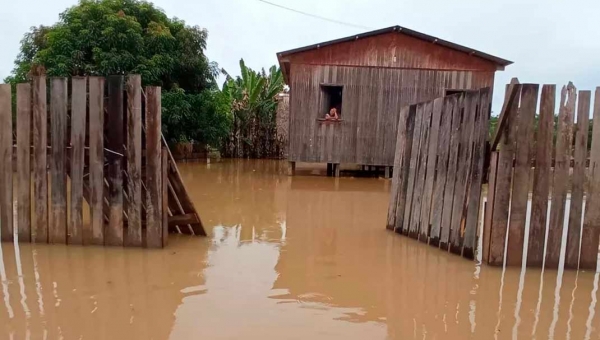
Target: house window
331,97
451,92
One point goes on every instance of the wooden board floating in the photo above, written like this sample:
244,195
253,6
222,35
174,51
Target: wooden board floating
99,152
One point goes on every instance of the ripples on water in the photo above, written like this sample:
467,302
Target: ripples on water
288,258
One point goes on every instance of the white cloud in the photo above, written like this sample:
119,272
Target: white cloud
550,41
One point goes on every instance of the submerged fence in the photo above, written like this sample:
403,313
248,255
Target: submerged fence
440,156
542,176
526,161
95,141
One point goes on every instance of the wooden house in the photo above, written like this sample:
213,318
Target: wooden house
368,78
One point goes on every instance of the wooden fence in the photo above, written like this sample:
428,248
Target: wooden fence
551,196
99,141
440,159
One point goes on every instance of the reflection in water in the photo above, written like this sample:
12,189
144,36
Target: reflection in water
288,257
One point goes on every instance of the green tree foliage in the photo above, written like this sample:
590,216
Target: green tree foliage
253,98
200,117
103,37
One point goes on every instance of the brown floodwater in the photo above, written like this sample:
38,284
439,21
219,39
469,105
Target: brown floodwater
304,257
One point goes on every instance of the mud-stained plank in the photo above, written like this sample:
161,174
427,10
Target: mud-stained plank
480,133
522,169
420,179
153,168
450,103
503,185
57,232
78,113
134,161
114,231
401,160
39,229
591,223
578,179
446,222
93,233
412,171
465,151
562,158
438,107
6,167
541,177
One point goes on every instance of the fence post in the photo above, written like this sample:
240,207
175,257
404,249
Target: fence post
39,232
153,168
114,232
6,169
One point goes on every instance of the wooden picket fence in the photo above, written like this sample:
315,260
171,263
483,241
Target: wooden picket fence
83,144
554,178
439,168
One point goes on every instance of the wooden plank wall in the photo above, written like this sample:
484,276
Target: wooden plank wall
102,161
371,103
556,188
442,181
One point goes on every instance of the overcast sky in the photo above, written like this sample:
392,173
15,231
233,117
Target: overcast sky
550,41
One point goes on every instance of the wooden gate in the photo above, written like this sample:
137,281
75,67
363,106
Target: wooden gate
99,141
544,172
439,169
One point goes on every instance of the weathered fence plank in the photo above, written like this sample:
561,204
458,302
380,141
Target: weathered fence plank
405,166
39,231
451,174
512,95
412,170
590,234
134,160
114,231
164,181
480,133
23,162
561,172
450,103
153,167
6,170
541,177
499,217
94,234
520,188
578,179
438,107
58,174
420,178
401,161
465,149
78,113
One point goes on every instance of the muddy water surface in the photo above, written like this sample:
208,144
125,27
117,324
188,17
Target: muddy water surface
306,257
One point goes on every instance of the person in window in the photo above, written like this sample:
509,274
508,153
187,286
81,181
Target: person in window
332,115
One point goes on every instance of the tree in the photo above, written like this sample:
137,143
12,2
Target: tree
104,37
253,105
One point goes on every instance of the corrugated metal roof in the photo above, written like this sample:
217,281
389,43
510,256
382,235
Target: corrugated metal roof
409,32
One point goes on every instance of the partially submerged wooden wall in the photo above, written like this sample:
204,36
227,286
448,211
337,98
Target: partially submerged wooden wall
372,99
522,164
101,146
440,154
